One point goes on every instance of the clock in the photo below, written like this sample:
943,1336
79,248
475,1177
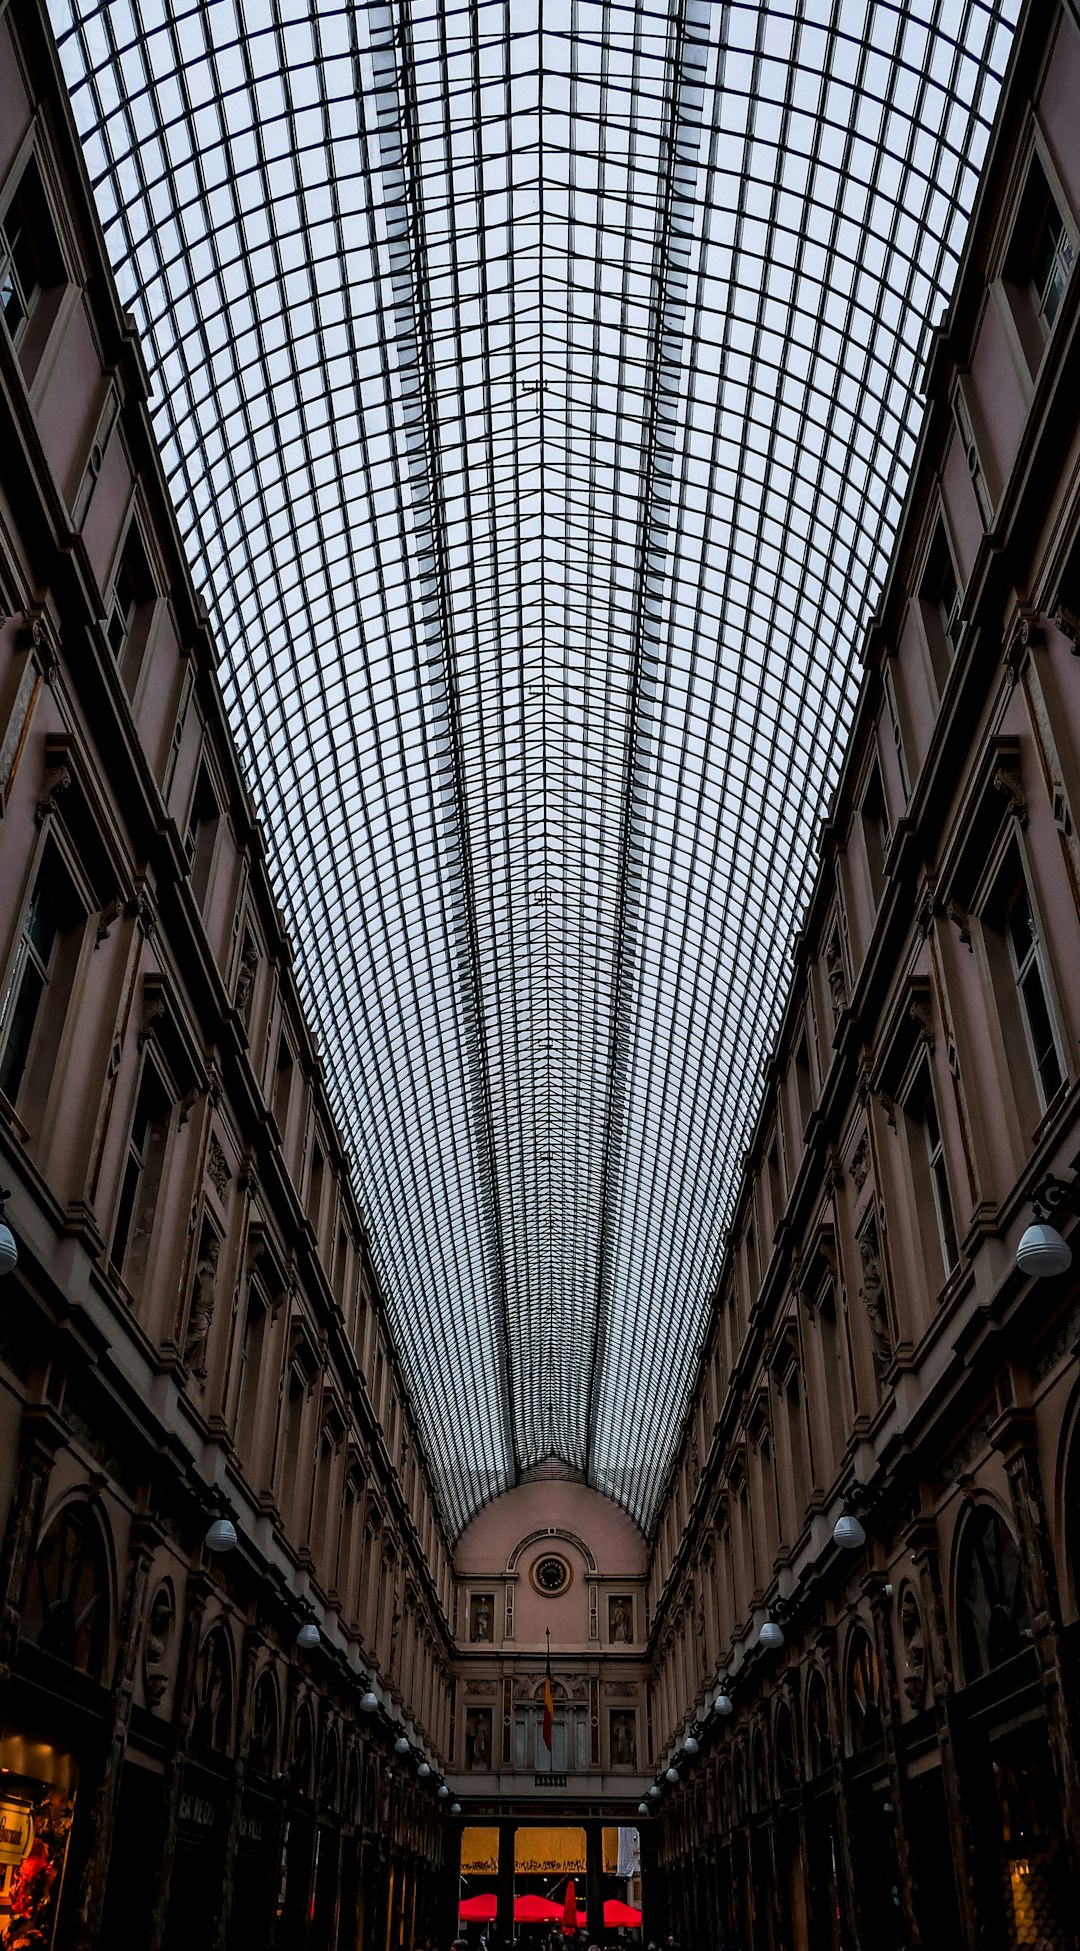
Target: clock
551,1575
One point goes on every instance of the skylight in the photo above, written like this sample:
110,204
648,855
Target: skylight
537,385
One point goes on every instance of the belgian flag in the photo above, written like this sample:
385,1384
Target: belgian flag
549,1699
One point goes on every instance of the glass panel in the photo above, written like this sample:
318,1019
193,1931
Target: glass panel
538,386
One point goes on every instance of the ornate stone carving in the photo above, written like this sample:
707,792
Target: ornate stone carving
922,1016
1067,621
860,1162
201,1315
914,1645
834,973
1006,780
56,782
109,916
872,1293
249,962
156,1654
960,922
217,1169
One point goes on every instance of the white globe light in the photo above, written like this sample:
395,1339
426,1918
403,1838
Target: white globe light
771,1634
423,1771
723,1704
848,1532
369,1703
221,1535
643,1809
1043,1252
9,1252
690,1746
309,1636
401,1745
671,1774
654,1792
455,1808
443,1792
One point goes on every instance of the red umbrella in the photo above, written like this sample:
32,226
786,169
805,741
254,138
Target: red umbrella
616,1912
482,1909
569,1910
535,1910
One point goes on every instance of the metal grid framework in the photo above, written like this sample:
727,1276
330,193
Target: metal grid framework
536,381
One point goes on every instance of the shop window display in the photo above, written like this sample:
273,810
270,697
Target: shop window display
37,1791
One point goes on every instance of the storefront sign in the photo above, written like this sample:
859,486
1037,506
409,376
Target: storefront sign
16,1831
197,1810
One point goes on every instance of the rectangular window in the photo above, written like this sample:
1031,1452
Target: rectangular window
1038,264
141,1180
42,973
30,263
939,1181
201,836
127,621
940,599
1027,965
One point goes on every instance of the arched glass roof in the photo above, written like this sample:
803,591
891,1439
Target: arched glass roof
536,380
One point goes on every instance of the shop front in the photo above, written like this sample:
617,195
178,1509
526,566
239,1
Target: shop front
37,1806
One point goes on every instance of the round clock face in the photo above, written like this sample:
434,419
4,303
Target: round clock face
551,1575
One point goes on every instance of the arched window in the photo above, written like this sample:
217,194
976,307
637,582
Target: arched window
67,1603
213,1692
351,1811
303,1756
818,1738
264,1726
759,1773
786,1766
569,1734
330,1784
991,1609
863,1693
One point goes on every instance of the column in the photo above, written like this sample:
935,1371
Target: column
504,1920
446,1925
594,1879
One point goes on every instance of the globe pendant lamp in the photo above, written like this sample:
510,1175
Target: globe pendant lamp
848,1532
369,1703
401,1745
671,1775
9,1252
771,1634
308,1637
690,1746
723,1704
1042,1252
423,1771
643,1809
221,1535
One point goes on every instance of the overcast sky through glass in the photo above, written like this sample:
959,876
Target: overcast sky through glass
537,385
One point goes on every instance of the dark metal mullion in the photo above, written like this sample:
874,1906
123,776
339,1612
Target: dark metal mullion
429,408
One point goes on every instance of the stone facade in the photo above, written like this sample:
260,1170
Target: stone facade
902,1769
195,1326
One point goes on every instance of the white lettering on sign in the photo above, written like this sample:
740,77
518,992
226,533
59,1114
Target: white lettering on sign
196,1809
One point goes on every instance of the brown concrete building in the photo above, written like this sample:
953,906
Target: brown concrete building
356,1562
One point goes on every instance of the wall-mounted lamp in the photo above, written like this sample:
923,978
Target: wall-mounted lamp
309,1636
443,1792
401,1745
1042,1252
690,1745
723,1704
848,1531
671,1775
9,1252
643,1809
369,1703
455,1808
654,1792
772,1632
423,1773
221,1535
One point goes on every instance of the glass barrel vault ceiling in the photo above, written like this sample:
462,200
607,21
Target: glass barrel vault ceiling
536,380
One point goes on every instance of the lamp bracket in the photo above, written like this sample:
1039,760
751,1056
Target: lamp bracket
1055,1195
